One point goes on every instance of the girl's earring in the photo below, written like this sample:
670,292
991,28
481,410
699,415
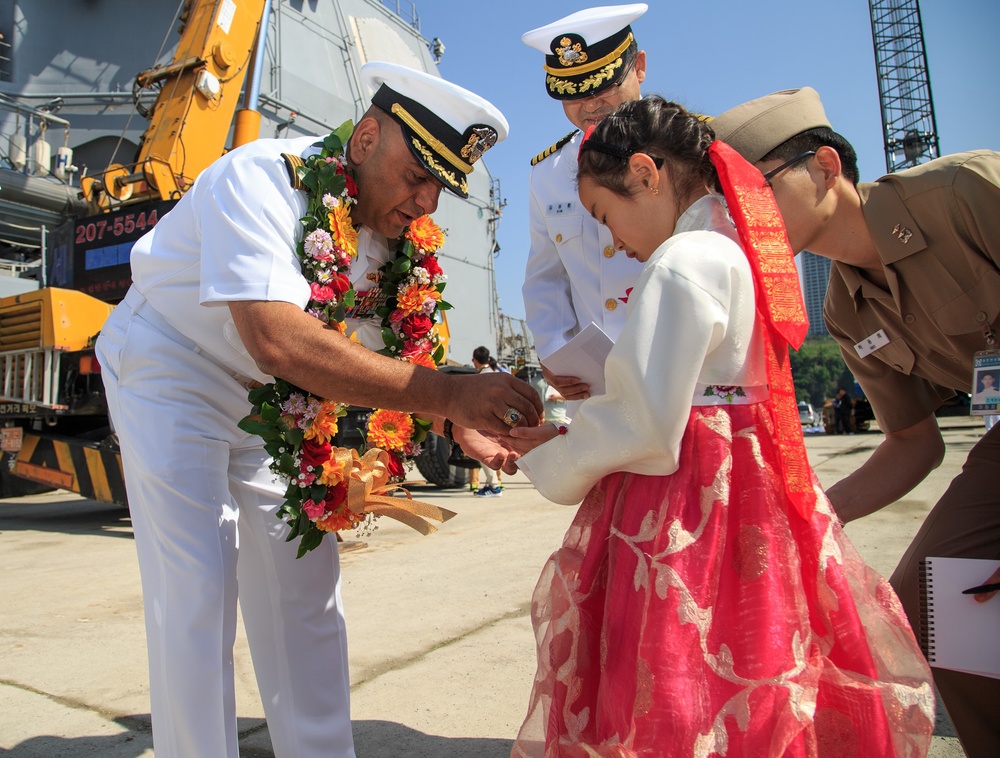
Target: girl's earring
656,190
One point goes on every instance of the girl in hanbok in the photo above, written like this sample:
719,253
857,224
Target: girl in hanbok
705,601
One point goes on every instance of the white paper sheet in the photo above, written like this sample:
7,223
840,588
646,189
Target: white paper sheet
961,634
583,357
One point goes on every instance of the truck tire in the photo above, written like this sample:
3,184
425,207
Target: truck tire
433,464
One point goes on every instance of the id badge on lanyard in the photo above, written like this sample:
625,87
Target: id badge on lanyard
986,377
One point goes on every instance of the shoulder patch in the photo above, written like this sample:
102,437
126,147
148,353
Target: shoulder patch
292,162
552,148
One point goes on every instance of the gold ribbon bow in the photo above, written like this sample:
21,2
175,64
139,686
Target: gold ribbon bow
368,491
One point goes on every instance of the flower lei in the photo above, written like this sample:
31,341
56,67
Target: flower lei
297,427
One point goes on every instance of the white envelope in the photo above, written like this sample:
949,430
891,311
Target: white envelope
583,357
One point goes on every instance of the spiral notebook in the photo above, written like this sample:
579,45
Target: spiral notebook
956,632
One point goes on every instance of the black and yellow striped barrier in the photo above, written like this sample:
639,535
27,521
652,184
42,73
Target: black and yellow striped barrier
92,470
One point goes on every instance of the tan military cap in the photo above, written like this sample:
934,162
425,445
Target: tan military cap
755,128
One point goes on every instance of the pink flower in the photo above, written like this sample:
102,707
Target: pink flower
322,293
313,509
417,347
318,245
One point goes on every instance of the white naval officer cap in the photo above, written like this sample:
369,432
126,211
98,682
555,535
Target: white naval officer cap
587,51
446,127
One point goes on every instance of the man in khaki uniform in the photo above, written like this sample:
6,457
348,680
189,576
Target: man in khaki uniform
914,293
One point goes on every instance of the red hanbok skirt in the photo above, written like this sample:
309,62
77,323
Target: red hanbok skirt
697,614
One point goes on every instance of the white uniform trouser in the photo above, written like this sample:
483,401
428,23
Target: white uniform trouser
203,506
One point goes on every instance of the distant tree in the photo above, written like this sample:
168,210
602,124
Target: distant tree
818,369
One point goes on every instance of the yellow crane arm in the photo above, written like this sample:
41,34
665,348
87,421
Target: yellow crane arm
198,94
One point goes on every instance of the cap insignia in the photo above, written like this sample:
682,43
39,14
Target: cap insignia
480,139
571,51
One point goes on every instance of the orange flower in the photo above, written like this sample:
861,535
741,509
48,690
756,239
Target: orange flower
342,230
425,234
334,472
339,520
413,297
422,359
390,430
324,425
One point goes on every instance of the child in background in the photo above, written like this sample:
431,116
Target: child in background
705,600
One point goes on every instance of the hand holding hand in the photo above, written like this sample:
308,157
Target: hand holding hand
492,450
492,402
524,439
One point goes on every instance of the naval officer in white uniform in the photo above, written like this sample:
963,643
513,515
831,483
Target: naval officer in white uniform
574,275
217,302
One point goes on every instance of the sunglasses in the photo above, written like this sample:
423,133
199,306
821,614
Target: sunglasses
611,88
787,165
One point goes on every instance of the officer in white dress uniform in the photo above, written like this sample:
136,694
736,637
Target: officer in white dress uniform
574,275
216,302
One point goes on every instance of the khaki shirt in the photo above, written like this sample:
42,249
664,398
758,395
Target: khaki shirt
937,230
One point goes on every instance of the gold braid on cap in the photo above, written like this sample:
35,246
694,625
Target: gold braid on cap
563,86
439,147
448,176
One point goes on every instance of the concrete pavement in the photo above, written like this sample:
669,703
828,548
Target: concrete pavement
442,654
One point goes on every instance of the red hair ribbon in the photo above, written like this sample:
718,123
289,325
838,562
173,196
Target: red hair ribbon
586,136
779,306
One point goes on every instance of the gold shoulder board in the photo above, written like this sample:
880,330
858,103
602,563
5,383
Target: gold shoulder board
292,162
552,148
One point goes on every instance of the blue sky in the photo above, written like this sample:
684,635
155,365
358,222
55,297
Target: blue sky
710,57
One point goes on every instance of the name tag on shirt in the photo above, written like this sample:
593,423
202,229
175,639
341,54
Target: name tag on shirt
556,209
870,344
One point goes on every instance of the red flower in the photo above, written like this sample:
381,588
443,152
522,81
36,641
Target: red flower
336,495
416,327
340,283
431,265
315,454
628,293
395,467
352,188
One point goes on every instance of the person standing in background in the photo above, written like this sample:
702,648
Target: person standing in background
843,408
575,275
482,360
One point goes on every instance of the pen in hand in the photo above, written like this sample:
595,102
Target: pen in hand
982,588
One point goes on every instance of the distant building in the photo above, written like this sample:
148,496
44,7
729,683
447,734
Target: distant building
814,271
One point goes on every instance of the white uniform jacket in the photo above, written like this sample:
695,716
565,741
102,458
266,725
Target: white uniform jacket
690,324
574,275
234,239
